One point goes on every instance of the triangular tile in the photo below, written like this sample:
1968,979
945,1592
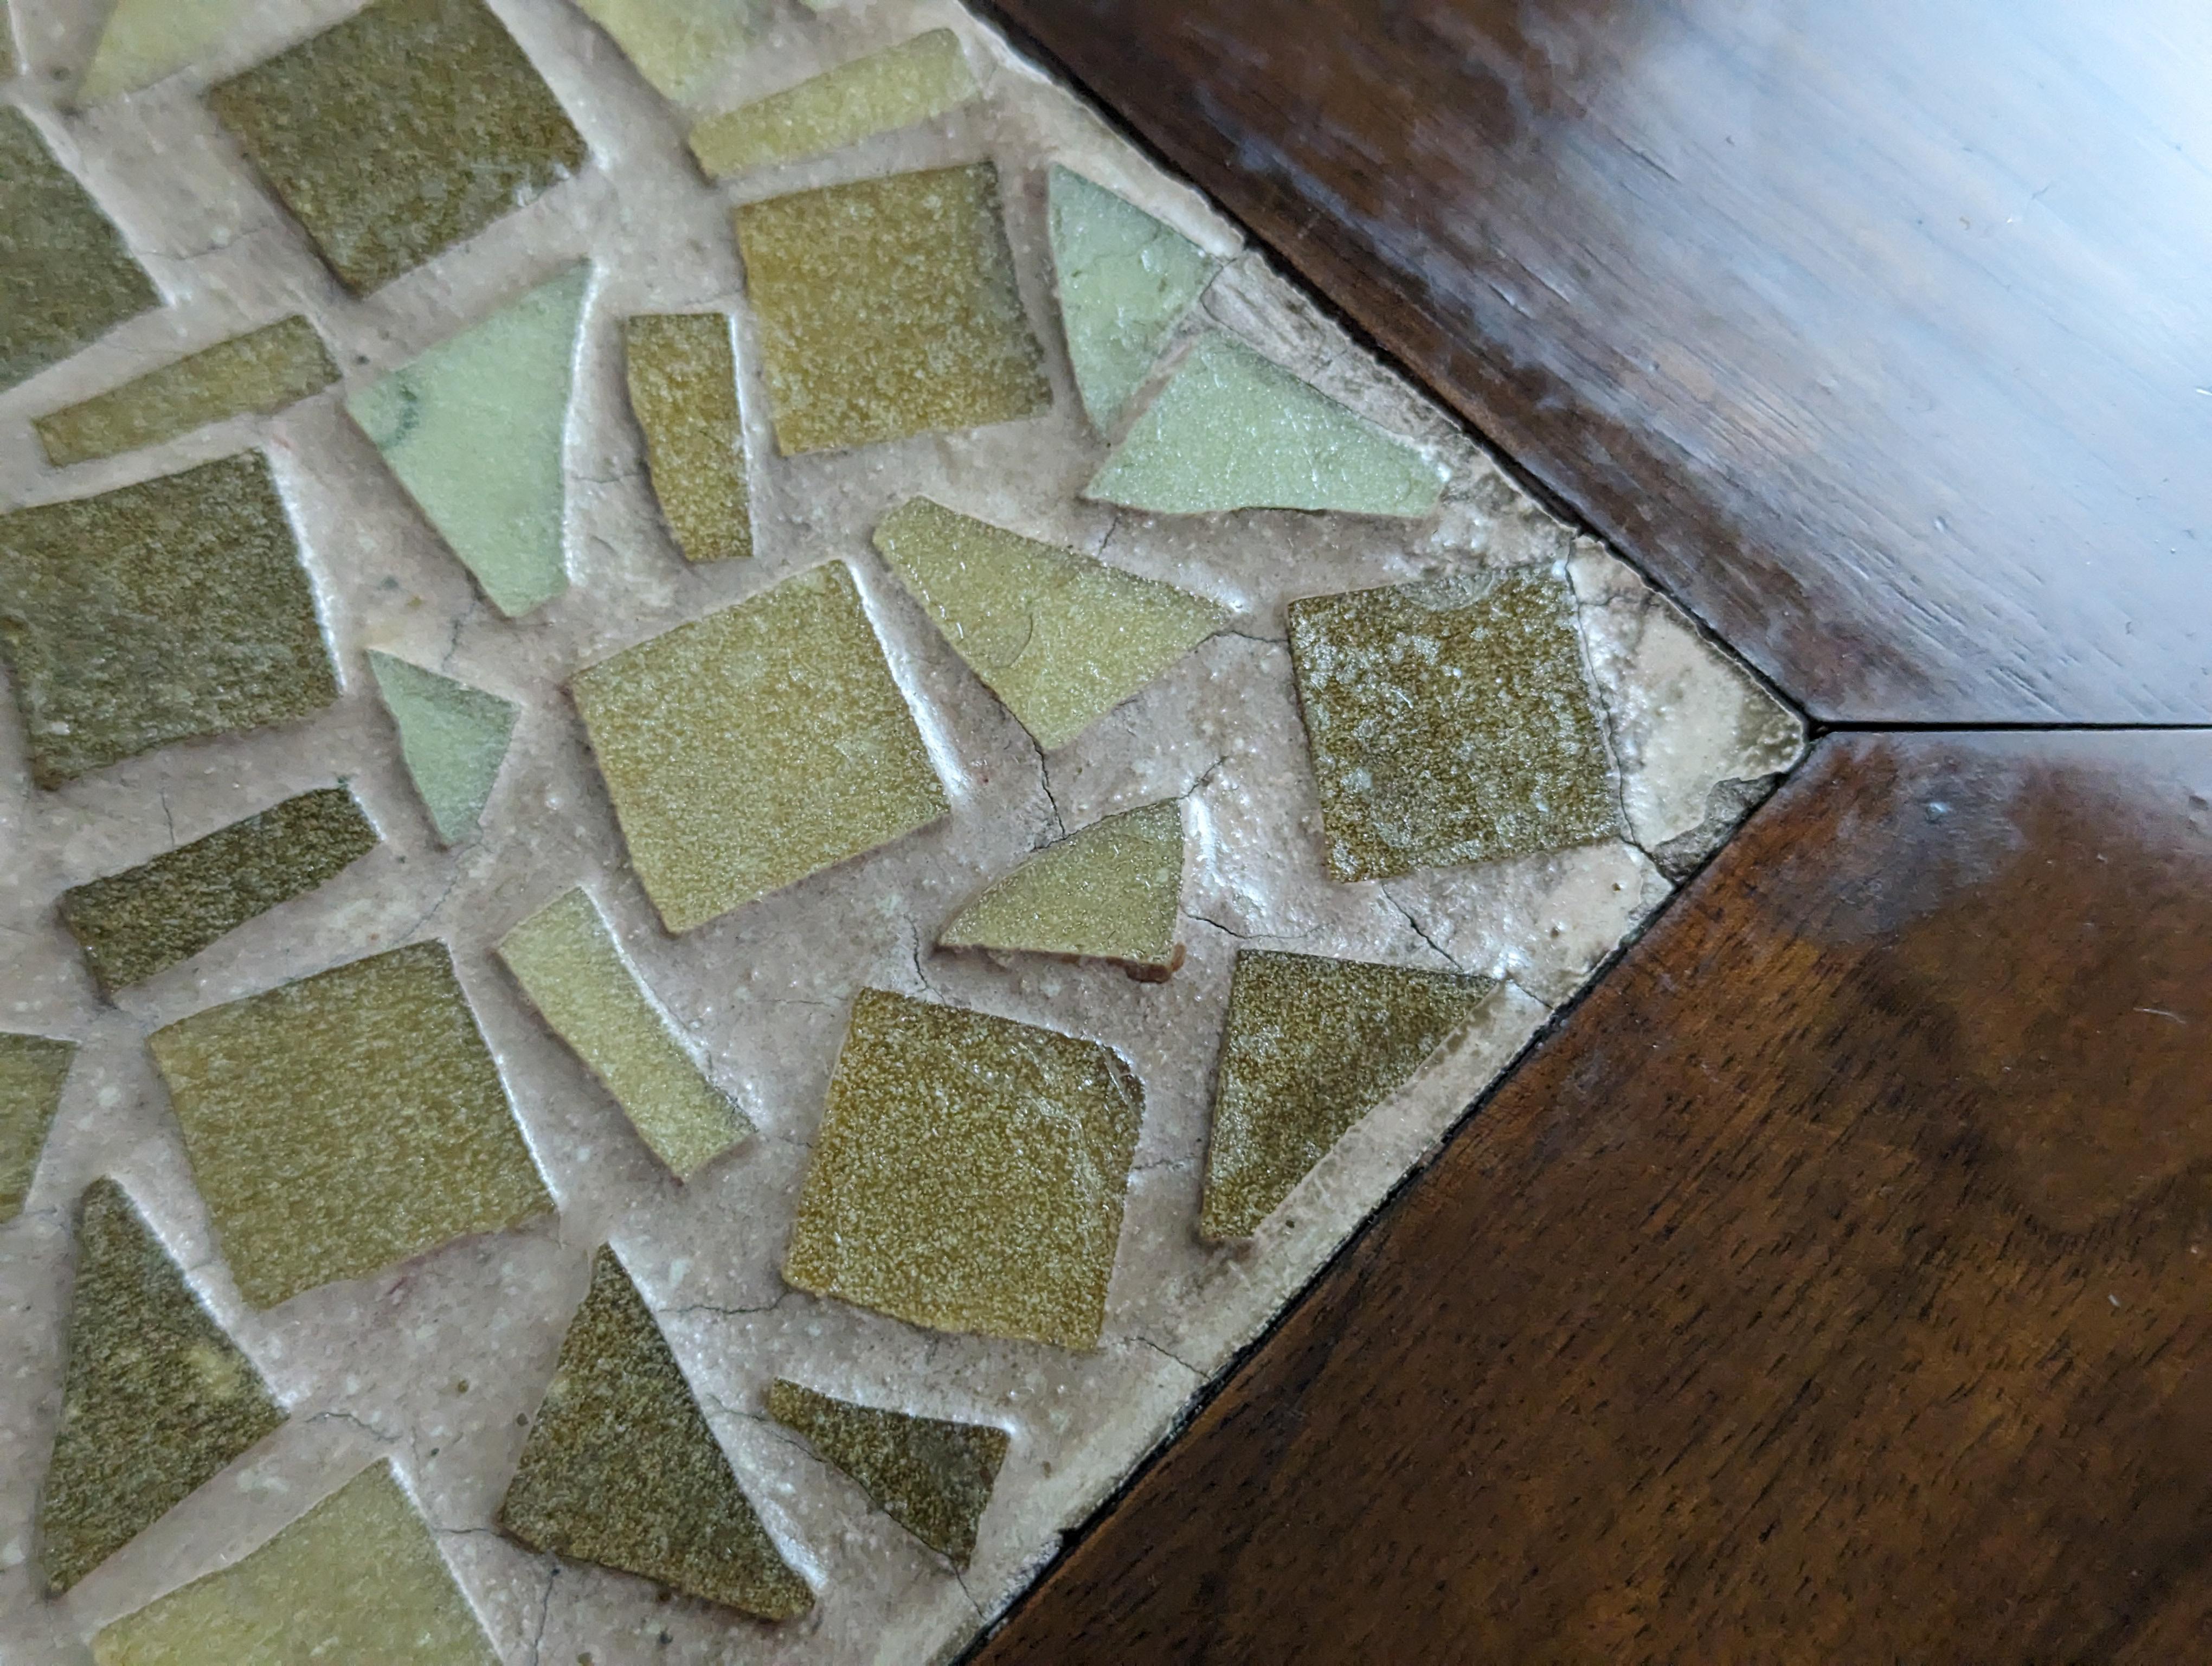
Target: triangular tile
620,1468
453,739
1109,892
1313,1045
474,429
1125,280
32,1071
679,46
931,1476
157,1399
1060,638
1231,430
146,40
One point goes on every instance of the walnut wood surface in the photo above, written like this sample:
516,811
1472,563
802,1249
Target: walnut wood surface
1877,331
1835,1285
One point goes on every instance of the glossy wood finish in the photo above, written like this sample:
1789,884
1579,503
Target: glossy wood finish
1835,1285
1878,332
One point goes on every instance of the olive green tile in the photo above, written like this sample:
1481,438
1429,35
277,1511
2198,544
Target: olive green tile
1112,891
409,127
684,388
755,746
888,308
620,1468
568,964
1060,638
65,277
1125,282
32,1071
679,46
167,611
157,1399
141,921
1450,722
1231,430
969,1173
475,429
932,1477
452,738
262,370
1312,1046
896,86
357,1579
148,41
346,1122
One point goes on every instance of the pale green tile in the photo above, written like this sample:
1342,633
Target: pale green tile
1231,430
969,1173
1112,891
621,1467
1450,722
262,370
346,1122
931,1476
145,919
32,1071
1124,281
756,746
1312,1046
167,611
474,429
889,307
392,137
682,379
679,46
1060,638
148,41
452,738
356,1579
568,962
157,1401
65,277
897,87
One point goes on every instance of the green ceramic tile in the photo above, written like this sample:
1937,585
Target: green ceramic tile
679,44
684,388
897,87
1112,891
1125,282
1060,638
141,921
148,41
620,1468
356,1579
474,429
346,1122
568,962
1450,722
32,1071
1232,431
888,308
1312,1046
409,127
262,370
452,738
756,746
932,1477
167,611
157,1401
66,278
969,1173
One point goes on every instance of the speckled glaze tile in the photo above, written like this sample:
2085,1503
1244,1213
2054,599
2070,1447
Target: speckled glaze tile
453,739
932,1477
1112,891
409,127
157,1401
32,1071
148,40
896,86
65,277
683,391
679,44
1125,282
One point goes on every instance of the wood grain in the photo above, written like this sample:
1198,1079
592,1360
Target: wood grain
1877,332
1835,1285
